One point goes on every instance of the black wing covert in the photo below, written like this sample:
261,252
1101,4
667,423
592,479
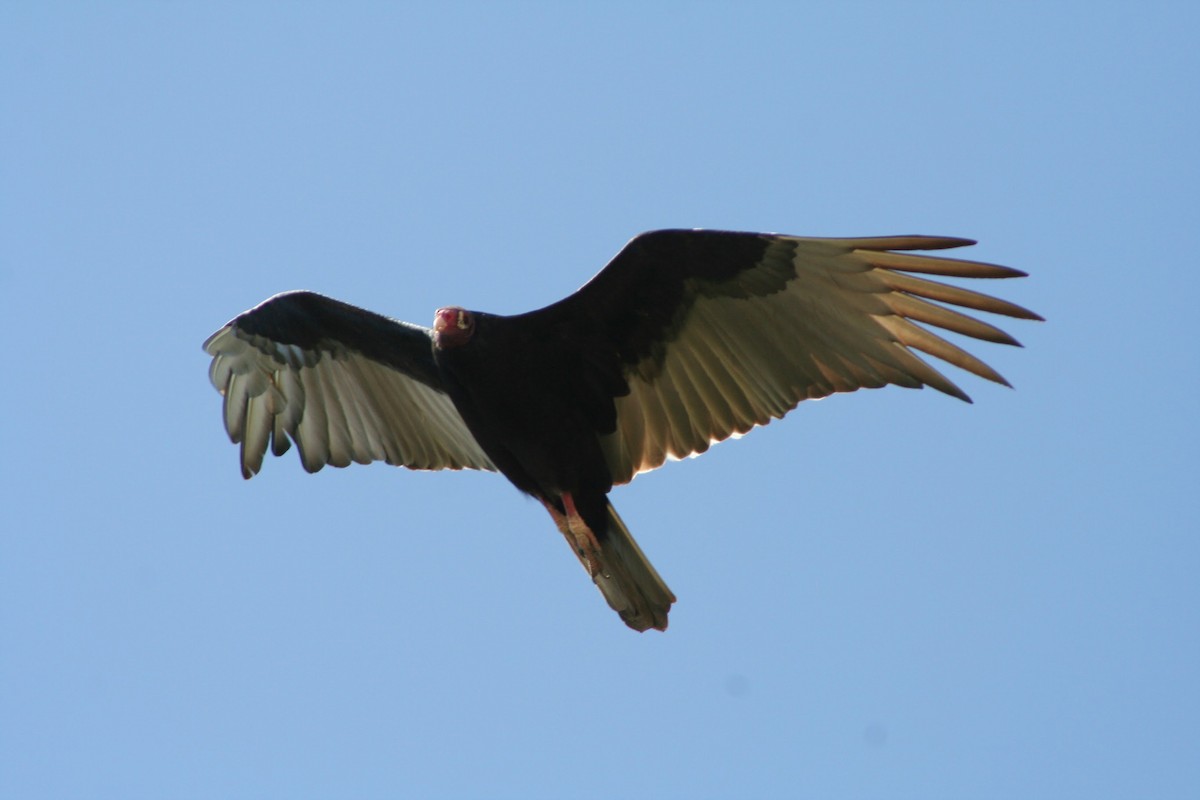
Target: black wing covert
345,384
717,332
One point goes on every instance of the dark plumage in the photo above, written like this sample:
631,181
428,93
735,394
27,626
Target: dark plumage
684,339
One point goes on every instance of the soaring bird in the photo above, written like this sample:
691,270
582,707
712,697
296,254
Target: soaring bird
685,338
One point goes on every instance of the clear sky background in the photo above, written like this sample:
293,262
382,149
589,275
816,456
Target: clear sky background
887,594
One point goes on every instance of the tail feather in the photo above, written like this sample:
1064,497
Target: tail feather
629,581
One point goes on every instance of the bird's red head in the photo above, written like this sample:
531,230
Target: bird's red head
452,327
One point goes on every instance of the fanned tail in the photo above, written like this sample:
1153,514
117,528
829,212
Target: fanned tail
629,581
617,565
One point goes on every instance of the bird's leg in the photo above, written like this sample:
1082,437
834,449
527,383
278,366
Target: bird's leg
579,536
587,547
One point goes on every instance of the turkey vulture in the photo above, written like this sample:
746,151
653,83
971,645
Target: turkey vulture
686,338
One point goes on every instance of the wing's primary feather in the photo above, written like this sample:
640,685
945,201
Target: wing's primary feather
717,332
345,384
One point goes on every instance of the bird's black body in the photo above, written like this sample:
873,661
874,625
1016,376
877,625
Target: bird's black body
537,417
686,338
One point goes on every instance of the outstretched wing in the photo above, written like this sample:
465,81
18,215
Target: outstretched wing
344,384
717,332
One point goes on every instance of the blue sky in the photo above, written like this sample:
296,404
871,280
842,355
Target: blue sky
887,594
